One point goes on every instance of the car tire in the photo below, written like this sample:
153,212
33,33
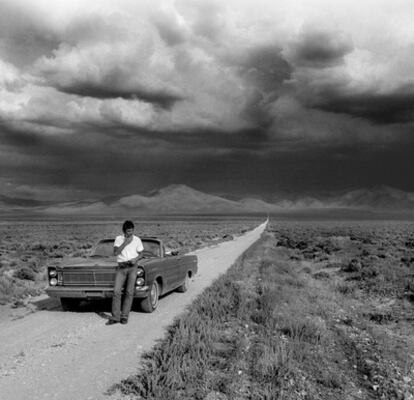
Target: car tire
150,303
185,285
69,304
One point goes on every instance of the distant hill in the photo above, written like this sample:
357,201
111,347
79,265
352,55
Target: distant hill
181,199
382,197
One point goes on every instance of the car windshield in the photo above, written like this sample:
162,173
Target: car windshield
105,248
151,248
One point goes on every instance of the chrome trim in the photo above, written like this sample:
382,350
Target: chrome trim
141,288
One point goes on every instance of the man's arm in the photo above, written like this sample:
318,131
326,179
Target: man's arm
118,250
140,249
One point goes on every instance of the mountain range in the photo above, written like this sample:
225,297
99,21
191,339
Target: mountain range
181,199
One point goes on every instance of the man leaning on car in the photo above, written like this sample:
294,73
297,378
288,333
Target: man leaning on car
127,248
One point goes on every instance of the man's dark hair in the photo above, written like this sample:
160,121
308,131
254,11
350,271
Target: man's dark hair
127,225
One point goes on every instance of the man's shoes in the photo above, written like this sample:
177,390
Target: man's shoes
112,322
124,321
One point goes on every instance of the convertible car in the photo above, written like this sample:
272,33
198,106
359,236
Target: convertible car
159,272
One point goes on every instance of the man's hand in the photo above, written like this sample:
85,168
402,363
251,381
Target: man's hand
127,241
134,261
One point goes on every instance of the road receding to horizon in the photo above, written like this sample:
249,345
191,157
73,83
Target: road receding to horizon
51,354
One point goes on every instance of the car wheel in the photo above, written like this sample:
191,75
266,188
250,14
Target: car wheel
150,303
69,304
185,285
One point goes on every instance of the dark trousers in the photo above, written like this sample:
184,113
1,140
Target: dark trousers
124,277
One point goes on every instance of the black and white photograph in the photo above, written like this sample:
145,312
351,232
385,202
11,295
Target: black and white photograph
206,200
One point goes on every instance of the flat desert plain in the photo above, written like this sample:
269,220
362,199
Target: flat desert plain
311,310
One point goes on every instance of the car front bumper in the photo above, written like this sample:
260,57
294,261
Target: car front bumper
90,292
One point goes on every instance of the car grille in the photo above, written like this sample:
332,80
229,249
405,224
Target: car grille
78,277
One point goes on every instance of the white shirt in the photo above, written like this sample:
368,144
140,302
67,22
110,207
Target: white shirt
131,250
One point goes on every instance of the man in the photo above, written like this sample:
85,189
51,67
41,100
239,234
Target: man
127,248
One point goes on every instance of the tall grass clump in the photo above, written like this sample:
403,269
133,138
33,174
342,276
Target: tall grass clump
180,366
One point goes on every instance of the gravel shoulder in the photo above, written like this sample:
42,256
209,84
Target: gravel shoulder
46,353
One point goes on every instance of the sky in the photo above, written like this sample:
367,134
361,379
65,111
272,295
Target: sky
267,98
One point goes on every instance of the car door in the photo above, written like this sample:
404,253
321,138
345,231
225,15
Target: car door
172,272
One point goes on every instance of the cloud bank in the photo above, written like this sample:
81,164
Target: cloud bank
171,80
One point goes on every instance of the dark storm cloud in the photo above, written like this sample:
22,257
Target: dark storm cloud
117,96
106,90
388,108
324,79
87,162
146,159
215,141
320,49
311,171
222,163
265,69
9,136
79,162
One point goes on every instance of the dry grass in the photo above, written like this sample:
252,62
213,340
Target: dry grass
13,290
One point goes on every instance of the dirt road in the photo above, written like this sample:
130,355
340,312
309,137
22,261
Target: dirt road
51,354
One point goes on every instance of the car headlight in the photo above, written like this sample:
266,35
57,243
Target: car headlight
140,282
53,281
140,272
52,272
